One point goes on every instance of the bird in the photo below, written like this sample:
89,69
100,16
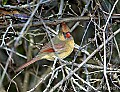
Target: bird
63,47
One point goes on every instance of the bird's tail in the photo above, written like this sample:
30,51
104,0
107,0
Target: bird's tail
27,64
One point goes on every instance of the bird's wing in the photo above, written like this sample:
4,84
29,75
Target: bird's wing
49,48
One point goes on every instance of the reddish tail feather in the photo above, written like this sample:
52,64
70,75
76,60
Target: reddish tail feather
27,64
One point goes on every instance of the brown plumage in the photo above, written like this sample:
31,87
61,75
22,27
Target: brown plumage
63,43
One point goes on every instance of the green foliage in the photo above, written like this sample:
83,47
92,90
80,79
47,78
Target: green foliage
4,2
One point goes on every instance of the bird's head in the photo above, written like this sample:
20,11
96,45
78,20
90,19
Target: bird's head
65,32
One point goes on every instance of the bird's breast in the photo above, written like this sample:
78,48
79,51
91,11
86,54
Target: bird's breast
69,46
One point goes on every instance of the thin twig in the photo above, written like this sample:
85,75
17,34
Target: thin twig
104,41
27,23
88,58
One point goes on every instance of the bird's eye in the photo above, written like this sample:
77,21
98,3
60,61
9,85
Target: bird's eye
67,35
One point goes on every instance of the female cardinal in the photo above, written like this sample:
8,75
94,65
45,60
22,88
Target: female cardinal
63,45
